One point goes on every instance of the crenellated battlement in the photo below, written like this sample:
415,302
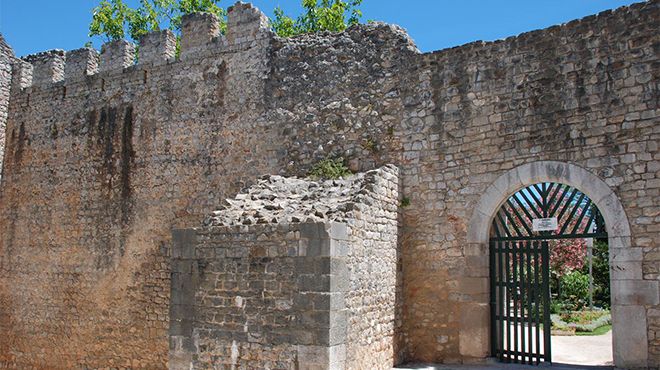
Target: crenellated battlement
245,23
117,55
157,47
47,66
81,62
22,72
200,33
198,30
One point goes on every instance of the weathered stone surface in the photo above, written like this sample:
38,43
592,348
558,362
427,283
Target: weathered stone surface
260,292
6,60
47,67
278,199
632,352
99,169
81,62
117,55
157,47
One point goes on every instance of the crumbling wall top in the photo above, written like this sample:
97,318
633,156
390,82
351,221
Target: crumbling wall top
277,199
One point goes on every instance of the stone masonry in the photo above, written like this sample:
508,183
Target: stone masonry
105,157
293,274
6,60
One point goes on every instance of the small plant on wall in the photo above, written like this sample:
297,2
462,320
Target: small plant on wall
330,168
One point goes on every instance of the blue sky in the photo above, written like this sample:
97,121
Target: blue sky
37,25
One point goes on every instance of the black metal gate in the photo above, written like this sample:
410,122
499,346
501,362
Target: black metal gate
521,239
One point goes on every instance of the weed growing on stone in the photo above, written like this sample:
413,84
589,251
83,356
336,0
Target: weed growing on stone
371,145
329,169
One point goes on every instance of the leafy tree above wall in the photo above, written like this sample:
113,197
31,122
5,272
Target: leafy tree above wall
114,20
321,15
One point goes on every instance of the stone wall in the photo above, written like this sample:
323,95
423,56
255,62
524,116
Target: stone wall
106,163
373,262
103,162
263,294
6,59
583,93
252,297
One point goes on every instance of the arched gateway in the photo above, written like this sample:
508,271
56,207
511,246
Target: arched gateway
548,186
522,235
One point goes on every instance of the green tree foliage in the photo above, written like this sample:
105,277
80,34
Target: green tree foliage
114,20
109,19
318,15
574,290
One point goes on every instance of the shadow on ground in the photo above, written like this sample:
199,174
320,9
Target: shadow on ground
497,366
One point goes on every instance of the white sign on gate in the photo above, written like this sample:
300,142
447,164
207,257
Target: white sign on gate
545,224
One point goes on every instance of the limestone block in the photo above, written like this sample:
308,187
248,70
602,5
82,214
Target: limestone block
197,31
629,334
157,47
635,292
117,55
48,67
22,73
473,335
81,62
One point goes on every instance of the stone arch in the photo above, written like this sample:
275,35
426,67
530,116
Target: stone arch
630,339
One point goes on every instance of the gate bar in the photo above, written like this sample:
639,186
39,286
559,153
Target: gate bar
521,301
514,295
493,299
506,301
546,300
537,299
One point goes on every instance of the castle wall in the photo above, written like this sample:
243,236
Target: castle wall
6,58
101,165
455,120
92,162
583,93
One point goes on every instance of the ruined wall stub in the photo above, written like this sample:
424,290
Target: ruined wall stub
276,281
101,165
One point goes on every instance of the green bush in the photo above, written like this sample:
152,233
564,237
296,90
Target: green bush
329,169
575,290
556,307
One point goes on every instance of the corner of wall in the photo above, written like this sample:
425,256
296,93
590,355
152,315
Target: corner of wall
6,60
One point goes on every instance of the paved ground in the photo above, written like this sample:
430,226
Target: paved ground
591,350
501,367
568,353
